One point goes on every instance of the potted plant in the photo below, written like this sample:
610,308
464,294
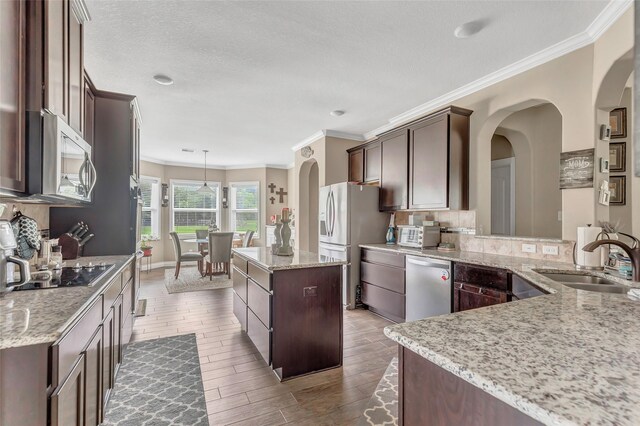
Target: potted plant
145,246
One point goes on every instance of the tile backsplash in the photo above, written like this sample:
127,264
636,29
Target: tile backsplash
492,245
38,212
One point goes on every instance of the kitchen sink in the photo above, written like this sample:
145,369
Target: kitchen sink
599,288
576,278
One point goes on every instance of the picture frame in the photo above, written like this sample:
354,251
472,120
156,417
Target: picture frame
605,133
618,190
604,165
618,123
577,169
618,157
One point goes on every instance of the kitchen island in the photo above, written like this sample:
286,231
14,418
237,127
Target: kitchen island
563,358
291,308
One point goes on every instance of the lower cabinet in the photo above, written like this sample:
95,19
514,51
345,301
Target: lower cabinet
468,296
382,277
86,360
67,402
479,286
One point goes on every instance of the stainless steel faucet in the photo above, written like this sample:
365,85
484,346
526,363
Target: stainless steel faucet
633,253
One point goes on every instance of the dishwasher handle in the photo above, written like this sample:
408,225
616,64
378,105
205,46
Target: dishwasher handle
433,263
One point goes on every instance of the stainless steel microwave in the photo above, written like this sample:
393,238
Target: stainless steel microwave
65,173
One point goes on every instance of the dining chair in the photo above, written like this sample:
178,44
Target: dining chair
246,239
220,244
182,257
203,234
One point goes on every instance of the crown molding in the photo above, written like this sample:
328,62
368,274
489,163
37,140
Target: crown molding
308,141
330,133
80,9
213,167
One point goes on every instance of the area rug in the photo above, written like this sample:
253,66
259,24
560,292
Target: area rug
159,383
383,405
190,280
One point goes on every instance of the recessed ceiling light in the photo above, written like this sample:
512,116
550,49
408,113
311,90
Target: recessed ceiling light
468,29
165,80
188,150
337,113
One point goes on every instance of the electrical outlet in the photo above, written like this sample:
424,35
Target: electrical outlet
528,248
553,250
310,291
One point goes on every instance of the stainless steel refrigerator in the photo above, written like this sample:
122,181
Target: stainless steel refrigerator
349,216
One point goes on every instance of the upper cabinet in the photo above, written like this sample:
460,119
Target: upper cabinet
63,75
135,140
12,95
422,165
393,176
364,163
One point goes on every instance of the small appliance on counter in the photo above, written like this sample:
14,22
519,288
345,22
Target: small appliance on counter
590,260
8,245
418,236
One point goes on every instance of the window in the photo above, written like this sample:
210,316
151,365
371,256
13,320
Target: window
150,189
245,206
190,209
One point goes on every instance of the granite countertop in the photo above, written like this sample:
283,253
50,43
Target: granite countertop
51,311
299,260
569,357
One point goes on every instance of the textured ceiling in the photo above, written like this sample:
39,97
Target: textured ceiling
252,79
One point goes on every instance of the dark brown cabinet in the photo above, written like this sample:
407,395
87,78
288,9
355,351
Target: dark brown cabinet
356,165
479,286
372,160
394,169
67,402
469,296
12,90
89,112
135,140
382,277
75,70
108,361
93,381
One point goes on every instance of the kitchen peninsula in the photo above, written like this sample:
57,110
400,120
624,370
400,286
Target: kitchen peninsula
291,308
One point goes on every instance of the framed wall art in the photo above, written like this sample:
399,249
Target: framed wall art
617,157
577,169
618,190
618,123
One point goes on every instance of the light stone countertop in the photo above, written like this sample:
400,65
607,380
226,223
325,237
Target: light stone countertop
299,260
50,311
566,358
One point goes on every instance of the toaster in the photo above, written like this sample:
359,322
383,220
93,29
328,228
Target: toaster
418,236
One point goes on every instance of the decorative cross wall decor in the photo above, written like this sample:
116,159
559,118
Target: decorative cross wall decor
272,187
272,199
281,193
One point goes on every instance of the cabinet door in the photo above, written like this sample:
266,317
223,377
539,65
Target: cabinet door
93,380
135,142
356,165
12,84
76,72
393,177
107,356
67,402
466,297
429,165
89,114
56,62
118,321
372,162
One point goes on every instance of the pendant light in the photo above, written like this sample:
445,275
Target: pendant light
205,189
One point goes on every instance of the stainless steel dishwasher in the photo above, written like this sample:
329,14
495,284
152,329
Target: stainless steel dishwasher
428,287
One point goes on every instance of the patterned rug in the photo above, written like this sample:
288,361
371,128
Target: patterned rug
190,280
383,405
159,383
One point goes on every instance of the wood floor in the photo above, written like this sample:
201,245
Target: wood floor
240,388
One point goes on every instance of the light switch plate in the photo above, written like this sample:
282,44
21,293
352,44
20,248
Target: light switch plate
553,250
528,248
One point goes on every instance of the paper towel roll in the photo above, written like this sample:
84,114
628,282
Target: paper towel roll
585,259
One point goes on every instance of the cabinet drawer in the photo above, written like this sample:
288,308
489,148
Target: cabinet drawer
260,276
240,311
259,301
259,335
111,293
481,276
65,352
240,284
127,299
383,258
239,263
383,276
384,302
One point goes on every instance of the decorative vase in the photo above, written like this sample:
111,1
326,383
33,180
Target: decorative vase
146,251
285,249
278,234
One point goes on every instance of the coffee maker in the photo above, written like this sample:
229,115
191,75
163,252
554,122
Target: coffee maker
7,246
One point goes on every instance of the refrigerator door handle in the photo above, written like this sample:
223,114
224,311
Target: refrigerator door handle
328,213
333,213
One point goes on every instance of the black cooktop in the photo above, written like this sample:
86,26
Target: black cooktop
68,276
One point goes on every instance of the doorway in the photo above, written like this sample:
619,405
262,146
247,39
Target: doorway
503,196
309,194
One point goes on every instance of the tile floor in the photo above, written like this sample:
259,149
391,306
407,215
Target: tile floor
240,388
